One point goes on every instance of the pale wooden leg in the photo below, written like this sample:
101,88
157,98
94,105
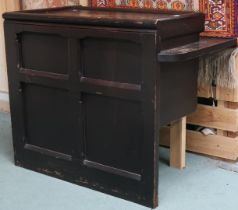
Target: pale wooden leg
178,143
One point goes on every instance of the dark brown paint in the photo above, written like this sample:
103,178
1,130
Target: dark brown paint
88,95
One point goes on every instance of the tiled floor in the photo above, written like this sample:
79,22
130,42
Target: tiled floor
205,184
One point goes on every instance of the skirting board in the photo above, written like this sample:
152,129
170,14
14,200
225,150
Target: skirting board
4,102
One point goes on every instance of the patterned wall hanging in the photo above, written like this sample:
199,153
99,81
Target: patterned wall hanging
155,4
221,15
36,4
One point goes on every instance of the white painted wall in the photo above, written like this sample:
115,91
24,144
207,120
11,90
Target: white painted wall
84,2
36,4
5,5
4,102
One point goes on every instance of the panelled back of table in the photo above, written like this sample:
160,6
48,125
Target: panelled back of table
88,95
71,94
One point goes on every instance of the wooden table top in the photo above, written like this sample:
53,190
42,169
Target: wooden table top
141,18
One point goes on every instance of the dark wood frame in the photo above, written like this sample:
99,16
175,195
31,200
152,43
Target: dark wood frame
34,162
167,77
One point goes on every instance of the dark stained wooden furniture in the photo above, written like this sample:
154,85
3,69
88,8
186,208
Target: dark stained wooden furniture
90,88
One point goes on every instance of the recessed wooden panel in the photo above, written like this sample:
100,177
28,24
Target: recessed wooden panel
44,52
114,132
109,59
49,123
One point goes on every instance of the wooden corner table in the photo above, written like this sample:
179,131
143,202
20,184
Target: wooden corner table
90,89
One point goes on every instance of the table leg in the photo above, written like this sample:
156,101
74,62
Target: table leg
178,143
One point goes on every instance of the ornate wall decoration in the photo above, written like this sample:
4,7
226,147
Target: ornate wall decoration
36,4
221,17
161,4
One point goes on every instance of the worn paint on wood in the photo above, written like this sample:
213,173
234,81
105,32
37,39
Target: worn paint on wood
103,90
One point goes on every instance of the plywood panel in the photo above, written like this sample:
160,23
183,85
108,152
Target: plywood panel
215,117
214,145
